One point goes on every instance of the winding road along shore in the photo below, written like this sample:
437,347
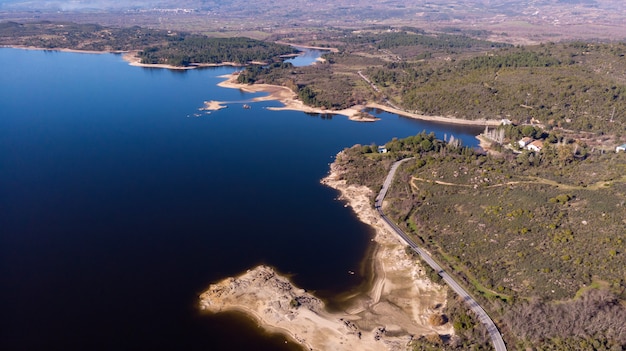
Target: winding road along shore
494,334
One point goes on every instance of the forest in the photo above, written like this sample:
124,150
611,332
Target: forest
579,86
88,37
541,243
155,46
187,50
541,228
570,85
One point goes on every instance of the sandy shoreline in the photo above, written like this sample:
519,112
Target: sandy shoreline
394,311
23,47
321,48
448,120
133,60
290,101
283,94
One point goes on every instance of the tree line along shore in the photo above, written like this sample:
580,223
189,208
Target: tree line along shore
572,86
543,238
541,243
151,46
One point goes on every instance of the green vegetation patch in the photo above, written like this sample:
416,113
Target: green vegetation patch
577,86
521,235
157,46
185,50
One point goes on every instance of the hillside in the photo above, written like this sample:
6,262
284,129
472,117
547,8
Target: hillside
514,21
570,86
153,46
536,236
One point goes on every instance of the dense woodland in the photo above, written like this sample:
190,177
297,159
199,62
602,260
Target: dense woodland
540,228
416,38
573,85
89,37
186,50
156,46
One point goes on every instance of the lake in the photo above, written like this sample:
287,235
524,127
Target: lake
120,202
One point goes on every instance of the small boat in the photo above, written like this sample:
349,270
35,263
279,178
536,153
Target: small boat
246,106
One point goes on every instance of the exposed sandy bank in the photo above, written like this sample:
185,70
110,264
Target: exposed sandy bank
289,99
484,143
23,47
396,309
452,120
212,106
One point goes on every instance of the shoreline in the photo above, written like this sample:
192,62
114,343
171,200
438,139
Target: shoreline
288,98
440,119
309,47
395,310
75,51
276,92
130,57
133,60
290,101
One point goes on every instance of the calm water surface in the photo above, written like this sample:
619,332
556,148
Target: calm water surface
118,205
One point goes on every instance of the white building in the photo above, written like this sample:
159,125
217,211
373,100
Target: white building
535,146
524,141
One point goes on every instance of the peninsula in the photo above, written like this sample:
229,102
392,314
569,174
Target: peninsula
402,304
356,112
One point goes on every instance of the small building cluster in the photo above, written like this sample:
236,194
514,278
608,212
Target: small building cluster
530,144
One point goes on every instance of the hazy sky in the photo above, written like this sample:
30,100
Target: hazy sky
67,5
73,4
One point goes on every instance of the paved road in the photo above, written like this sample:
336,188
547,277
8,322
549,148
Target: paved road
496,338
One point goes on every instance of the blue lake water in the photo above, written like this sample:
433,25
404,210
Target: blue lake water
118,206
306,58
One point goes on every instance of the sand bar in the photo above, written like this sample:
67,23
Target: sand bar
395,310
213,106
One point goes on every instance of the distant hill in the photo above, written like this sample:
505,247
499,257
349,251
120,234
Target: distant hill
398,8
539,20
79,5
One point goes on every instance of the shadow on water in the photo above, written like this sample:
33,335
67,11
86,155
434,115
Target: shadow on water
232,326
